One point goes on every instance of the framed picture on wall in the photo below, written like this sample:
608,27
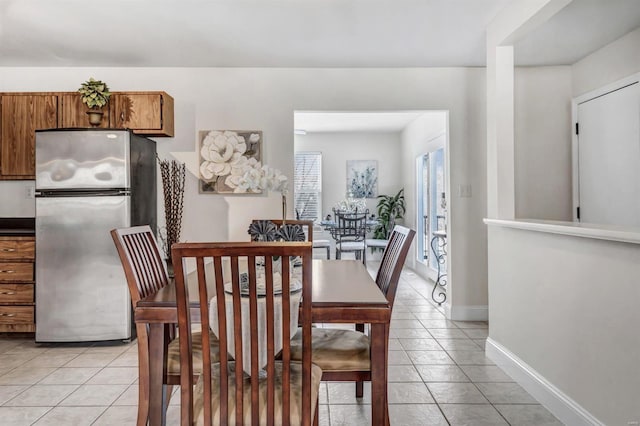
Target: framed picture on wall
362,178
225,156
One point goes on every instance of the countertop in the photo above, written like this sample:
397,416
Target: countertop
17,227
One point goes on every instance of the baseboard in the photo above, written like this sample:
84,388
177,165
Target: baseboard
553,399
467,313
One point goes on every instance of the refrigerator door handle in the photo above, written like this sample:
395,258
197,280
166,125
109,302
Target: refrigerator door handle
82,193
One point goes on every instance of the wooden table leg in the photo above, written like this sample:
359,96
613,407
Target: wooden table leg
157,392
379,409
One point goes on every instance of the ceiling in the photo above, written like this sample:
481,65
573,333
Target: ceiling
245,33
291,33
580,28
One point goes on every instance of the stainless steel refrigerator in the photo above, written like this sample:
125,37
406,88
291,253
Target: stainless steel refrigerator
87,183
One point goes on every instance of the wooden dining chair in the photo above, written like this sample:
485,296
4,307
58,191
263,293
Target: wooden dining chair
146,274
245,303
350,233
345,355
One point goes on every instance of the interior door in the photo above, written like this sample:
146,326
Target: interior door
609,158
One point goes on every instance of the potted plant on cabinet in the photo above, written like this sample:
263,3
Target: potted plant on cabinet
95,94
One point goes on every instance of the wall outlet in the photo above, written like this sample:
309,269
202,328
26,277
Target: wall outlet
31,192
464,191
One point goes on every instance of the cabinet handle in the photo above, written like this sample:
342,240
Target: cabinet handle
7,271
8,292
8,250
122,116
7,315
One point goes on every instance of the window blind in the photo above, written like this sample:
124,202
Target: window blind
308,185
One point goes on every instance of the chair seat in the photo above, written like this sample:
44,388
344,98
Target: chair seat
173,353
335,350
350,246
296,393
321,243
376,243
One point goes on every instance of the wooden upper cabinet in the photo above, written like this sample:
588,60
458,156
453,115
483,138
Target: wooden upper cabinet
146,113
74,112
21,116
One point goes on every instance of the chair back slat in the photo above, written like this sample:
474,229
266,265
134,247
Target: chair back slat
249,296
222,339
141,260
392,261
253,324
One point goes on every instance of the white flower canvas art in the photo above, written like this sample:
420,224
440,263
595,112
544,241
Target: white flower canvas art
226,157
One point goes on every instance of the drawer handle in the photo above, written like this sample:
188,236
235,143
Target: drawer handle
7,271
9,250
8,292
7,315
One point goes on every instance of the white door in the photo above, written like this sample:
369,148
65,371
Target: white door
609,158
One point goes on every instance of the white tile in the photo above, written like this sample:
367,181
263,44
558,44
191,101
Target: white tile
118,415
21,416
476,415
25,376
70,416
10,391
41,396
114,376
92,360
416,415
525,415
409,393
70,376
87,395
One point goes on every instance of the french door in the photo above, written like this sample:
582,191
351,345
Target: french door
432,202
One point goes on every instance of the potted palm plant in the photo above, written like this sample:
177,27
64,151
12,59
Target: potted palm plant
390,208
95,94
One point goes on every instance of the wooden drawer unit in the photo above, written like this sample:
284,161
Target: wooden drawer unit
16,271
17,286
16,315
16,293
17,250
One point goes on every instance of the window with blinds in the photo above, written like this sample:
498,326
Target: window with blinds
307,179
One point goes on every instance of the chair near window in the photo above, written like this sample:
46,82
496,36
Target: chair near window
146,274
345,355
350,232
244,391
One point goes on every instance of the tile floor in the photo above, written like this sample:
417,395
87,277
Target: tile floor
438,375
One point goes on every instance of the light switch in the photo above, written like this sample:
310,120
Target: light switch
464,191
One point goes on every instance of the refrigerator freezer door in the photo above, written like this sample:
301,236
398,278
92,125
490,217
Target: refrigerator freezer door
82,159
81,291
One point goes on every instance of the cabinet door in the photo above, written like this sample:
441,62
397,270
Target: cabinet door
138,111
74,112
22,115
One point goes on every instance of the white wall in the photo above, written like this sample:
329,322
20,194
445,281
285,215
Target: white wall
337,148
543,143
266,98
567,306
618,59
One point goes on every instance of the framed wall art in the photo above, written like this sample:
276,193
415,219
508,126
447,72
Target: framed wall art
362,178
225,156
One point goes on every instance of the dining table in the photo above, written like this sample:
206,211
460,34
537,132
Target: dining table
342,292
